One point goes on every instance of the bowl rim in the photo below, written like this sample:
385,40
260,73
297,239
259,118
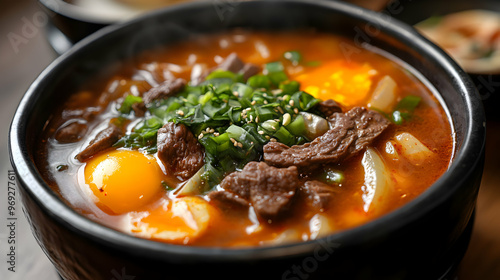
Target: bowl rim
469,154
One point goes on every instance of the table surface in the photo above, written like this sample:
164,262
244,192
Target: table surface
18,68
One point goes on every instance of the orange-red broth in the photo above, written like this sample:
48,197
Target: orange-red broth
324,71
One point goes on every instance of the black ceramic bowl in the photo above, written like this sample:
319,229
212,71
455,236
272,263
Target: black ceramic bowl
422,240
413,12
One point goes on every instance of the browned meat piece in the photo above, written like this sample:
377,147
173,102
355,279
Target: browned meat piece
166,89
227,200
350,133
179,150
102,141
268,189
71,133
234,64
139,109
249,70
318,194
328,107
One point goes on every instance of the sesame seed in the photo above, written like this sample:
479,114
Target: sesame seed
216,134
235,93
212,130
286,119
281,110
267,137
291,102
257,119
309,117
273,140
265,102
296,110
240,145
232,140
200,136
261,132
235,143
254,102
180,113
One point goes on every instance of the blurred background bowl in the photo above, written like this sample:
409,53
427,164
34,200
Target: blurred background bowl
72,20
413,12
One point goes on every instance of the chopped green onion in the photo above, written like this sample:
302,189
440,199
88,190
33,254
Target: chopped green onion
277,77
166,186
270,126
297,127
221,74
293,56
397,118
276,72
231,120
404,109
289,87
331,176
408,103
243,91
259,81
128,101
274,67
284,136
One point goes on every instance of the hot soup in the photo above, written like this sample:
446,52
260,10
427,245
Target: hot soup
246,139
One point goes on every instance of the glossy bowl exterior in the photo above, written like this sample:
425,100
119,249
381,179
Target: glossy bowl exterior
421,240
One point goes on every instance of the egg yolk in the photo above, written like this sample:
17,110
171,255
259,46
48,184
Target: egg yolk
123,180
348,83
178,221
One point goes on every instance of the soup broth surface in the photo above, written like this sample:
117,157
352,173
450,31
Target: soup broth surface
148,205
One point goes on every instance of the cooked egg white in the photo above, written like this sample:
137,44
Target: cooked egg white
123,180
180,220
